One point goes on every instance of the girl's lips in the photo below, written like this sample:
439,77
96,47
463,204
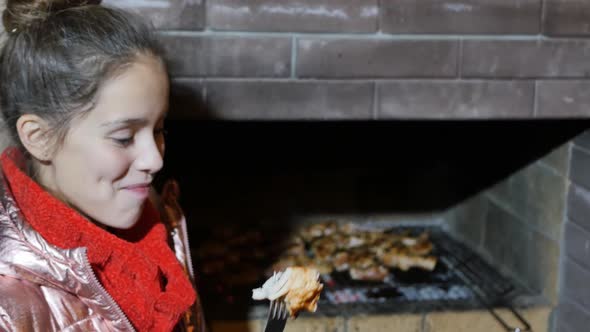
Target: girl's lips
140,191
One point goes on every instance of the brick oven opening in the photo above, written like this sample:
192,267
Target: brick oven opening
250,188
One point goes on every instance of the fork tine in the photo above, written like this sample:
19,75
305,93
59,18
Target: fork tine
270,309
285,314
280,313
276,309
281,310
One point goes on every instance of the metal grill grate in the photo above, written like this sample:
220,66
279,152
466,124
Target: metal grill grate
461,281
457,282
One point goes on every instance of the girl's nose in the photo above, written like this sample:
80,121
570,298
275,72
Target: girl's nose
150,157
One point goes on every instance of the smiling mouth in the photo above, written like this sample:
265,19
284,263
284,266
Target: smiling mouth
140,190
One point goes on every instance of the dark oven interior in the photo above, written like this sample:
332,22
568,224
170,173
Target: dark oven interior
249,188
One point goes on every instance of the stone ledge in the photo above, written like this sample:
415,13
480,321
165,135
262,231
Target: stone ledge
404,322
458,321
480,320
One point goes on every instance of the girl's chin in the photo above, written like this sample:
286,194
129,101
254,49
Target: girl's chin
125,222
126,226
128,223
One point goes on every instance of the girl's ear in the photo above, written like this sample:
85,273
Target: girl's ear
32,131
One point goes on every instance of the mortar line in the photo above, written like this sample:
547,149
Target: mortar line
578,306
562,241
205,11
366,79
542,9
584,151
581,148
294,57
535,102
569,159
522,221
577,224
379,15
551,169
543,164
366,36
578,264
375,109
460,60
269,80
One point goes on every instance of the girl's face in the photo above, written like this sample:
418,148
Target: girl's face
110,155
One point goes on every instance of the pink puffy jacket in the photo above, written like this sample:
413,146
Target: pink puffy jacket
45,288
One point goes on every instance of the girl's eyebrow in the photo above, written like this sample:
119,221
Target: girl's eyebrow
130,121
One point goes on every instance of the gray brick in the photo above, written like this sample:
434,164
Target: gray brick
341,16
566,17
289,100
563,99
537,195
580,167
579,206
187,99
507,240
452,99
543,266
575,283
167,14
583,140
558,159
468,220
572,318
577,244
375,58
465,17
526,58
531,255
225,56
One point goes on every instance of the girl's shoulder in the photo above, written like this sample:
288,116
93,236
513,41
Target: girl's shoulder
23,305
28,306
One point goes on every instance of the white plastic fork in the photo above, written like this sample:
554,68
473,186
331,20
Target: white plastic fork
277,316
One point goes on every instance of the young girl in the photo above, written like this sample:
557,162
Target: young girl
84,94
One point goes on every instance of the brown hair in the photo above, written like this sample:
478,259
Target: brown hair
58,54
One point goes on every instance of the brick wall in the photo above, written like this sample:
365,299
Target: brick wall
535,225
574,307
517,224
370,59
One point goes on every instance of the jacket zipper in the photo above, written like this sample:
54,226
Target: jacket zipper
98,287
198,311
189,255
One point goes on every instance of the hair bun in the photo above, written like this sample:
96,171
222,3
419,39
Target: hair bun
21,13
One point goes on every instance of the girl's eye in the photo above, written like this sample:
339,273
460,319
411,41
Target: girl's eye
160,131
124,141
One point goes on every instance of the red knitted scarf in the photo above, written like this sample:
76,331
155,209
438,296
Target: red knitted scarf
136,266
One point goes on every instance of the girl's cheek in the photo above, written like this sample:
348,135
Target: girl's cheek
114,163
